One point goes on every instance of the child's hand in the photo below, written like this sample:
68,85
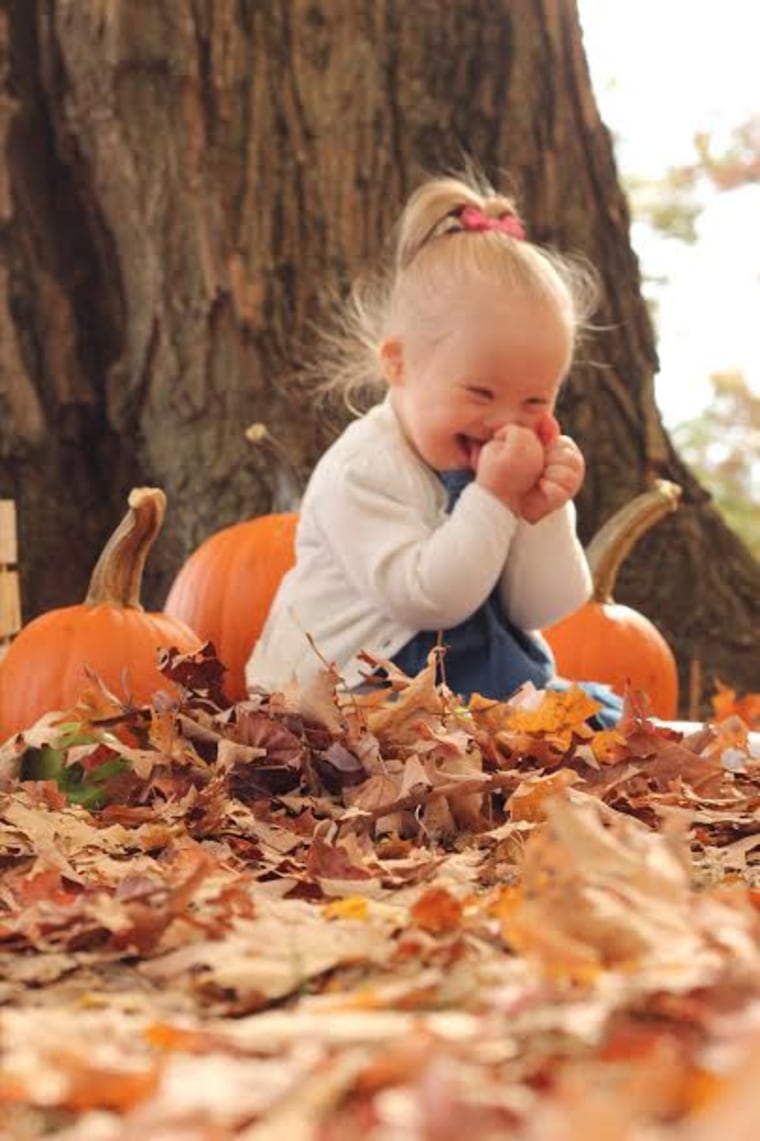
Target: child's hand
511,464
562,475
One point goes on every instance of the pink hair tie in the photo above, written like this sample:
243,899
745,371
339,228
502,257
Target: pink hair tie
474,220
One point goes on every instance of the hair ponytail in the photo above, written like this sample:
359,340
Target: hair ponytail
410,286
437,200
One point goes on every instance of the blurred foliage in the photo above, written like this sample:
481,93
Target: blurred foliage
672,204
737,165
665,204
722,446
721,443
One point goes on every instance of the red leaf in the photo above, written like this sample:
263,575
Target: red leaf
437,911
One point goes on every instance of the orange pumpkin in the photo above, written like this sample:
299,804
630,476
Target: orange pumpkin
110,634
225,589
605,641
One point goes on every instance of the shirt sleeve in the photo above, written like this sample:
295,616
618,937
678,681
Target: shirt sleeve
426,574
546,575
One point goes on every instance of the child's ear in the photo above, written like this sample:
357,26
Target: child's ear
392,360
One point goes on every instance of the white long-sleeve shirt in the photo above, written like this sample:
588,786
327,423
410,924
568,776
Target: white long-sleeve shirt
378,559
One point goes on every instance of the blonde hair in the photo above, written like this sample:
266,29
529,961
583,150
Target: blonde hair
409,292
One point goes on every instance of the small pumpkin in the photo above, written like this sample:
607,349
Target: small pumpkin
109,633
606,641
225,588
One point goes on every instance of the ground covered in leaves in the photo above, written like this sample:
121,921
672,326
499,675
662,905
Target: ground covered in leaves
388,916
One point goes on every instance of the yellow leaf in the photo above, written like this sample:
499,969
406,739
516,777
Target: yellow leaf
559,710
352,907
560,715
527,801
606,745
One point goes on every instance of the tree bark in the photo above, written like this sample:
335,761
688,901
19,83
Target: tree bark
186,181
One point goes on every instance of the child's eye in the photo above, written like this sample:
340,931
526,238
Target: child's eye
536,402
480,392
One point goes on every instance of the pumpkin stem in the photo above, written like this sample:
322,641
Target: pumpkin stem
117,576
615,540
288,485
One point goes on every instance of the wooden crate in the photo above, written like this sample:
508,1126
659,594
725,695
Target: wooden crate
10,595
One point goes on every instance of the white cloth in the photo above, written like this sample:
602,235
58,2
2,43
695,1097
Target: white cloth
378,559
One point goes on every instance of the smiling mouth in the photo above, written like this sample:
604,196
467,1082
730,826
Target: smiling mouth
470,448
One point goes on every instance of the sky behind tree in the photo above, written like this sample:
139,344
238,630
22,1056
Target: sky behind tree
664,70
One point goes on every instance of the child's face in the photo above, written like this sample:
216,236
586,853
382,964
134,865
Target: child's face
495,366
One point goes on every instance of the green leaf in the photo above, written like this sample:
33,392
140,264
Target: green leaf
88,789
46,763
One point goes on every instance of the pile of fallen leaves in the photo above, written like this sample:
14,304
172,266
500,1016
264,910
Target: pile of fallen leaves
384,916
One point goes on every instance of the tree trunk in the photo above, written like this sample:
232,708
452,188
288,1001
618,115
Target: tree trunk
185,183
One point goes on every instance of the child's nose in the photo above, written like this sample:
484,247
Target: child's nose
529,419
497,419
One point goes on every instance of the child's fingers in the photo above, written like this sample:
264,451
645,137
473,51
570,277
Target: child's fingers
567,475
556,494
563,446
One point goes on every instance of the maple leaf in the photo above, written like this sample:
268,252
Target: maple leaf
528,801
199,673
410,701
380,789
668,762
338,767
279,744
332,861
608,746
725,704
558,713
546,725
316,701
278,765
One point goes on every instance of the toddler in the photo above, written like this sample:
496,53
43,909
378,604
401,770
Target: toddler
445,512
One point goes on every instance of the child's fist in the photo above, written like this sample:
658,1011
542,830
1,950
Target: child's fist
510,464
562,476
